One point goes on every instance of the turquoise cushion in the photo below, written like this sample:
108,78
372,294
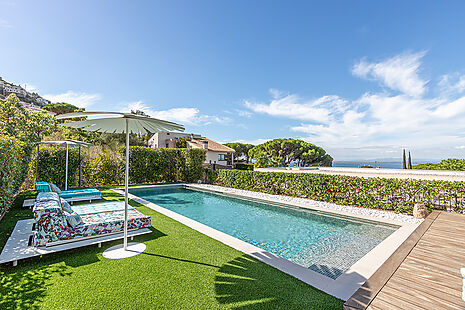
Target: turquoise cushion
73,219
43,187
55,188
65,206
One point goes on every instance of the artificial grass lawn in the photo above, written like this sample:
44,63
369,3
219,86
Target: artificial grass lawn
180,269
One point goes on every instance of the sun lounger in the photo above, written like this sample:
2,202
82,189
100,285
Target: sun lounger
57,224
70,195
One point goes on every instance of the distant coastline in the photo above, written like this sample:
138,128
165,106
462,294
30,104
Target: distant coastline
374,164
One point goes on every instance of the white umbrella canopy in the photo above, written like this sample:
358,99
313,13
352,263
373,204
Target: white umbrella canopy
127,123
67,143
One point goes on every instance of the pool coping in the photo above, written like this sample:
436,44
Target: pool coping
342,287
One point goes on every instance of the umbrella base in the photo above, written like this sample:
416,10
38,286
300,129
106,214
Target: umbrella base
118,252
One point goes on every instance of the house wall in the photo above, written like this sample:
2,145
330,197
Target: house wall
212,157
159,138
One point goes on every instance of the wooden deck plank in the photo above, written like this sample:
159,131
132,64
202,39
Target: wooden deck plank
427,293
400,298
427,277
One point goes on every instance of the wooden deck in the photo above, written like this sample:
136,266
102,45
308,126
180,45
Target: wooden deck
423,273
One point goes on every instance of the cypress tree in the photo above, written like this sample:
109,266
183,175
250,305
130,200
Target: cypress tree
409,160
404,161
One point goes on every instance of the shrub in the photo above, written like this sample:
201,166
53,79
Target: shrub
210,175
51,165
106,169
243,166
388,194
146,165
14,157
448,164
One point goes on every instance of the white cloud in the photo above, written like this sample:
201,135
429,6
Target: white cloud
452,84
398,73
5,24
385,121
292,106
189,116
82,100
30,87
254,141
460,147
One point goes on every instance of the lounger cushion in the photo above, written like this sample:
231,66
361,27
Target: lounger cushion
110,222
65,206
80,193
47,197
73,219
42,187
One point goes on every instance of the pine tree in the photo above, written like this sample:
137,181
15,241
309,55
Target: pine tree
409,160
404,162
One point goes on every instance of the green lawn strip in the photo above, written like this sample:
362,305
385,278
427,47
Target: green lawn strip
180,269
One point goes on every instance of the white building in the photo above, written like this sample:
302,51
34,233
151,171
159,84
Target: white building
216,152
10,88
41,101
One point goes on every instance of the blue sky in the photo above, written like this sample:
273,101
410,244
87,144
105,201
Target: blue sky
363,79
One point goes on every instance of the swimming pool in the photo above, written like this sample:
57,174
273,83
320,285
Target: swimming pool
321,242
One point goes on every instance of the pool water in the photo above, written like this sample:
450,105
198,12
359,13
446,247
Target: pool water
324,243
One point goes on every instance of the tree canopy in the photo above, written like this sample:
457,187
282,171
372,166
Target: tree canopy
62,108
281,152
22,124
242,150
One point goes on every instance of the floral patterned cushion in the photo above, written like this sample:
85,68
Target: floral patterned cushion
47,196
52,223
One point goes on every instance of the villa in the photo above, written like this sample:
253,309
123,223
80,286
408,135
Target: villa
216,152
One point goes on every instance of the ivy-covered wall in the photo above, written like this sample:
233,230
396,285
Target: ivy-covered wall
14,158
146,165
389,194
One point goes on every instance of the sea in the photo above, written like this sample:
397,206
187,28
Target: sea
374,164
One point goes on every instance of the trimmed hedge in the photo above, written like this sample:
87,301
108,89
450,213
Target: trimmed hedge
397,195
51,165
243,166
14,158
146,165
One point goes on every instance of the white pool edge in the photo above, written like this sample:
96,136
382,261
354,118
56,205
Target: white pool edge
342,287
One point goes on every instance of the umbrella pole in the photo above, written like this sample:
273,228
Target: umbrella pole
66,173
126,182
80,166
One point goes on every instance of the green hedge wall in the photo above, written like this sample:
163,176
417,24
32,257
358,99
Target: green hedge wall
146,165
51,165
14,158
243,166
389,194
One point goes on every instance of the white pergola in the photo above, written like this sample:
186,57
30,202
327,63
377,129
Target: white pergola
68,144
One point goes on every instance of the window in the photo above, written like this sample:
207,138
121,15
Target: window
221,157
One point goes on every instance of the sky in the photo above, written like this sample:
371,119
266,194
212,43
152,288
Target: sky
362,79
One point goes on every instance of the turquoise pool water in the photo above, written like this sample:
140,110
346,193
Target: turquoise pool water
324,243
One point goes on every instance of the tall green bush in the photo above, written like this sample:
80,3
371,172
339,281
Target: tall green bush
51,165
452,164
389,194
14,157
146,165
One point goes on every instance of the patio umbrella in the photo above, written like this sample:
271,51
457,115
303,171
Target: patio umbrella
67,143
127,123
